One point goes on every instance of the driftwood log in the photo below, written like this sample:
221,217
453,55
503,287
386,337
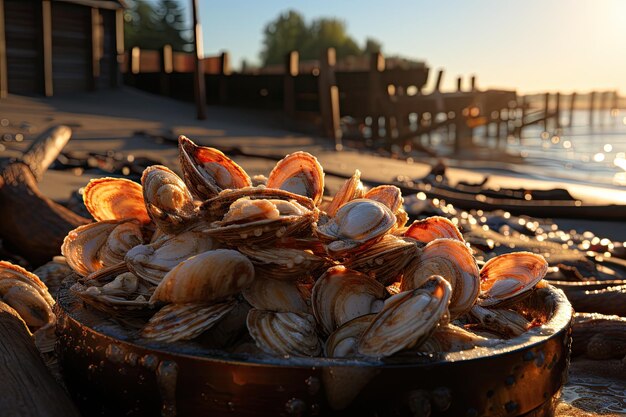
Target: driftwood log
27,387
599,336
32,225
604,297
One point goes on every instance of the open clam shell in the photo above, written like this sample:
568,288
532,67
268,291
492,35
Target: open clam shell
432,228
273,295
115,291
285,263
168,200
15,272
284,333
407,319
96,245
115,199
210,276
185,321
385,260
351,189
451,338
341,295
508,277
216,207
358,222
151,262
207,171
452,260
299,173
24,298
262,222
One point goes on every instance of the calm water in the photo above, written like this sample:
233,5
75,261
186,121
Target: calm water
583,153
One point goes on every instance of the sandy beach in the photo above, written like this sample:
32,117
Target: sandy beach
138,124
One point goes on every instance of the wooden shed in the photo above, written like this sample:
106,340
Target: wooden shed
50,47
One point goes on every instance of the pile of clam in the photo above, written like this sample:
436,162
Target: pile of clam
272,265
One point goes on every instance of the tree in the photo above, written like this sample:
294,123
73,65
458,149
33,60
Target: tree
372,46
285,34
290,32
150,27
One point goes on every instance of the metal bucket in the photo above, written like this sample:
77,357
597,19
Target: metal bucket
110,376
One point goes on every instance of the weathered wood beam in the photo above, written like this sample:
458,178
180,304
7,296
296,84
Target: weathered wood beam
46,29
4,84
28,388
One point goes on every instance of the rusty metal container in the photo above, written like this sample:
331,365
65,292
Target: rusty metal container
111,376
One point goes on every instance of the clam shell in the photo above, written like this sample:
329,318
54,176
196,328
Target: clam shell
274,295
115,291
358,222
284,333
16,272
501,321
207,171
285,263
151,262
85,246
216,207
452,260
168,200
432,228
451,338
351,189
341,295
507,277
53,273
115,199
262,222
299,173
407,319
385,260
27,300
343,342
389,195
207,277
185,321
122,238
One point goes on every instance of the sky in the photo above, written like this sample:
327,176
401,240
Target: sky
530,45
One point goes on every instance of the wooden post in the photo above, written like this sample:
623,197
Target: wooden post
592,104
166,68
135,60
46,26
523,105
572,107
289,81
615,105
459,81
96,47
603,100
546,111
557,110
116,80
199,87
473,83
377,65
4,83
329,97
439,80
223,80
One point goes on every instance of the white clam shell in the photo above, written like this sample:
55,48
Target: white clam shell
299,173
